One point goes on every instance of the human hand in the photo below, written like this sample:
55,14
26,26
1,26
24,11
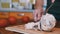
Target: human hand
52,1
37,14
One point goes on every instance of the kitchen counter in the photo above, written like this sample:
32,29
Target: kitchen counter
4,31
21,29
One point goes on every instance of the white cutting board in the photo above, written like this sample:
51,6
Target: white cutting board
21,29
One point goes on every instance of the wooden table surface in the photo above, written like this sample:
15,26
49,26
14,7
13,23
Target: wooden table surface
21,29
56,30
3,31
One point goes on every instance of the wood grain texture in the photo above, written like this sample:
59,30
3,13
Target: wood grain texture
4,14
21,29
18,14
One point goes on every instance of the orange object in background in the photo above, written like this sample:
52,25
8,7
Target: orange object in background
25,19
12,20
3,22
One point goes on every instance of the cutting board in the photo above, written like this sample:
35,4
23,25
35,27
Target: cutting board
21,29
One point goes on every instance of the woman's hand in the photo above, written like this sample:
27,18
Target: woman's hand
37,14
52,1
38,10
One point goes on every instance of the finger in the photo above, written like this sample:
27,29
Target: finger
35,15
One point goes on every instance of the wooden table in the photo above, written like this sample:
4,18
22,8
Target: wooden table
21,29
3,31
